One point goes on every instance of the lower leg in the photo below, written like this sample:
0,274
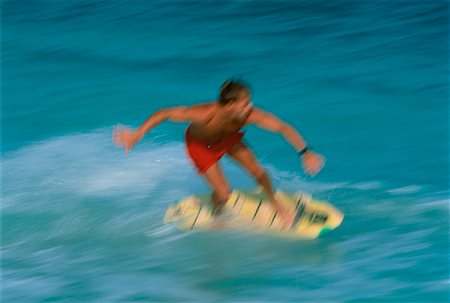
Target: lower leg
218,202
219,185
264,180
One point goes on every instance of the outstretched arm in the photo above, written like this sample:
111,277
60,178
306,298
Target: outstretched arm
312,162
174,114
127,138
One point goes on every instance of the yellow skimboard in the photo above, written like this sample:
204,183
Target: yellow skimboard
252,210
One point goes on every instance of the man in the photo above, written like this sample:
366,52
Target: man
214,130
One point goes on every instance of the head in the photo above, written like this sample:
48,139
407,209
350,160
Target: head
235,98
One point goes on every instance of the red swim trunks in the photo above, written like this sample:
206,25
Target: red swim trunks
203,155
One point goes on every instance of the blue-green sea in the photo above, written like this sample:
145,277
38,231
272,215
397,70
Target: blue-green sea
365,82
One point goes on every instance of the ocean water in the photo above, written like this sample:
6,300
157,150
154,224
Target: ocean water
365,82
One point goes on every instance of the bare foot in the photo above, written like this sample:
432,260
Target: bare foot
220,216
287,216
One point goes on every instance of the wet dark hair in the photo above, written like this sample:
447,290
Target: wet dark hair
233,90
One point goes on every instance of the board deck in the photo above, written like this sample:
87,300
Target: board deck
252,210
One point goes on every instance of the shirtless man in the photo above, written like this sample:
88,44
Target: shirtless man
214,130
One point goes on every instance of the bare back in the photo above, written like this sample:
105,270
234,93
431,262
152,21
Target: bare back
212,124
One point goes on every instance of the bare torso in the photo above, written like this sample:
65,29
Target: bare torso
215,124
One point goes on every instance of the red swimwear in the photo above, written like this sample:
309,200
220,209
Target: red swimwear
203,155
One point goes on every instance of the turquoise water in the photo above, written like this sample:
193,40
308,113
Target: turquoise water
365,82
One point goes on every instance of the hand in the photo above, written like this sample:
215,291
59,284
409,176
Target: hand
124,137
312,162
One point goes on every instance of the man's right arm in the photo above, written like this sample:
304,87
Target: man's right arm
175,114
127,138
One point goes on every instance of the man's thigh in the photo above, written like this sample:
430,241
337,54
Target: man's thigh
216,180
243,155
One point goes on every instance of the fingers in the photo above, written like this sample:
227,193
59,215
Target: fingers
122,137
313,165
117,139
118,136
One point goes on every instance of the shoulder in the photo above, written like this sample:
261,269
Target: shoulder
202,112
257,115
201,107
266,120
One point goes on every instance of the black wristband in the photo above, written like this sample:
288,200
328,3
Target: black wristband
304,150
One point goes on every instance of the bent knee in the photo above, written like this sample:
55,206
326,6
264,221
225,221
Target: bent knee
259,173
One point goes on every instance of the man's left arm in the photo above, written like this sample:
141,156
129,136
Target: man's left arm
312,161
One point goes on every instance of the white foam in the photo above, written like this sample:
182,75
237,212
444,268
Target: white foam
90,165
294,182
373,185
439,204
411,189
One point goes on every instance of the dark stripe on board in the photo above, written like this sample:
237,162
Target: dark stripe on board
195,221
273,218
298,202
237,199
298,216
259,205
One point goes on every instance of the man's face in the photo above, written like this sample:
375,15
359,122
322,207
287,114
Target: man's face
240,109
